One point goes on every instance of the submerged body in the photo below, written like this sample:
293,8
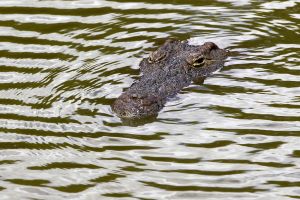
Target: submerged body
170,68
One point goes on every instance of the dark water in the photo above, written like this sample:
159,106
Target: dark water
63,63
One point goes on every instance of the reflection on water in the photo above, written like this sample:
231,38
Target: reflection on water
64,62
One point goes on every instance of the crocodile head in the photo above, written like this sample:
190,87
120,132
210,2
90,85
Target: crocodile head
200,60
165,72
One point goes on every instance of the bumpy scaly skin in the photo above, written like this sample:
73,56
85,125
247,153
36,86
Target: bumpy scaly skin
170,68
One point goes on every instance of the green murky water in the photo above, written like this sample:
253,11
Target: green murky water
63,63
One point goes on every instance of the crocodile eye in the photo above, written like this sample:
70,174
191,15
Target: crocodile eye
150,59
199,62
157,56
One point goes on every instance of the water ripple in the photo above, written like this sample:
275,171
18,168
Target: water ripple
64,62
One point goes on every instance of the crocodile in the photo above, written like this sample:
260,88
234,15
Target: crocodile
173,66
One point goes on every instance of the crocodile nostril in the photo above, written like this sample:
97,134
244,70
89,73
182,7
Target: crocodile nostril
210,45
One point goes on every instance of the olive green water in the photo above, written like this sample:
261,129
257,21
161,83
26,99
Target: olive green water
63,63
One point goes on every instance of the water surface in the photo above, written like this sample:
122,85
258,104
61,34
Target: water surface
63,63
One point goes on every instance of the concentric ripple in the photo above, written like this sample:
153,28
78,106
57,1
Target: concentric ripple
63,63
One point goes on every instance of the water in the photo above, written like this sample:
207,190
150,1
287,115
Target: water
64,62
